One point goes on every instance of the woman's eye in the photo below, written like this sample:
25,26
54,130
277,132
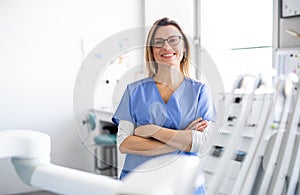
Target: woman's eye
172,40
158,42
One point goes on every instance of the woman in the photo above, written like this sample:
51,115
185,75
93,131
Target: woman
166,112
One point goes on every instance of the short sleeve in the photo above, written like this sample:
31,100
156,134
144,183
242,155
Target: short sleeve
206,108
125,129
123,111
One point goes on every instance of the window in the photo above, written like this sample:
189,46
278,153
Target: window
238,36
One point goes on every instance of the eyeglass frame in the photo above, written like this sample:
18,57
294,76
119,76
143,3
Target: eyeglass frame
152,41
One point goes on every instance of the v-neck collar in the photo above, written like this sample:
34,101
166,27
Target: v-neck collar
171,96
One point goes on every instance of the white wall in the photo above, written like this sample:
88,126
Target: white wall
179,10
41,50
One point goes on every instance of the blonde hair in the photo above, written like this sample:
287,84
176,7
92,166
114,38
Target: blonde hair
151,65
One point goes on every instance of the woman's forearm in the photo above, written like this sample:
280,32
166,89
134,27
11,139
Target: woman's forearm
180,139
144,146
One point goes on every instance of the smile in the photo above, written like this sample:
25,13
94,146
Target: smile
168,55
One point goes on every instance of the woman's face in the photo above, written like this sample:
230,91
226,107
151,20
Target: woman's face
171,51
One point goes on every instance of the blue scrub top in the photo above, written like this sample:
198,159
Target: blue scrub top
142,104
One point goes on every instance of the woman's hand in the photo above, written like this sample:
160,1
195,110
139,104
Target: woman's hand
197,125
146,131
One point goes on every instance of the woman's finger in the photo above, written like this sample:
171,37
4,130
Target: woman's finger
203,123
201,126
194,122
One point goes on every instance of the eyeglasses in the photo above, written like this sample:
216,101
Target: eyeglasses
172,40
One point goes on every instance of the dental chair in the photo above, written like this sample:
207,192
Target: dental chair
105,149
30,154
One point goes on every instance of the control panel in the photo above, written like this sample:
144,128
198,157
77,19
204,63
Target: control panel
290,8
287,60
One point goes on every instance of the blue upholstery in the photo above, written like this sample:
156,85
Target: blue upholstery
106,139
92,120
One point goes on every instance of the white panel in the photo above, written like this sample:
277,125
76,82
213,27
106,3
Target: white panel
290,8
287,61
179,10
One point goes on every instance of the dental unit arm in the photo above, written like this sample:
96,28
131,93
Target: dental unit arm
30,154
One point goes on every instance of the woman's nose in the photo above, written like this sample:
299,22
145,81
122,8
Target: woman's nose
166,44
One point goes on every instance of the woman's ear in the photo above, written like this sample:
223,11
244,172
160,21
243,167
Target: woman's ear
184,56
184,50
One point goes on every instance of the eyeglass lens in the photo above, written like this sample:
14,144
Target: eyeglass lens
159,42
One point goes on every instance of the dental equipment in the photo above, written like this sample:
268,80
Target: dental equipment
295,169
269,163
246,179
30,153
257,135
286,146
238,107
293,33
230,149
